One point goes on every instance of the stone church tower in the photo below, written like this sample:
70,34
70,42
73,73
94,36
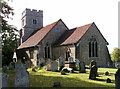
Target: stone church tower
32,20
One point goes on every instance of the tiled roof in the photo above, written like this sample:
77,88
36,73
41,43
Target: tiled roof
69,37
38,36
73,35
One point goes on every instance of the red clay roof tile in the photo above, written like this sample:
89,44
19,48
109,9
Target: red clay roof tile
38,36
73,35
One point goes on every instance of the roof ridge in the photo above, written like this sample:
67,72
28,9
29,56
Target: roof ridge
51,23
85,25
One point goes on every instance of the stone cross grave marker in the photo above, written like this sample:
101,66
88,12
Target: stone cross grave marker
93,72
61,63
5,80
117,79
21,75
49,65
54,66
82,67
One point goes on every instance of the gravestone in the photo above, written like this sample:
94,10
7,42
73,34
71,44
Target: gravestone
61,63
41,62
5,80
21,75
77,64
107,73
93,72
28,64
92,63
82,67
54,66
108,80
77,61
117,79
56,84
63,72
70,59
67,70
49,65
33,70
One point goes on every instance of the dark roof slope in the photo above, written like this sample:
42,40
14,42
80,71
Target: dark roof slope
73,35
38,36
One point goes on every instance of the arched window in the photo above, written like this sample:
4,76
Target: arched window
67,54
93,49
31,54
47,51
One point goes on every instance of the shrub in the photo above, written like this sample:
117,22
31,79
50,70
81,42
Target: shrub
4,69
13,64
11,67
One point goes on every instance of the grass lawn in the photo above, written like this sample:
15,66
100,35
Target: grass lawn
43,78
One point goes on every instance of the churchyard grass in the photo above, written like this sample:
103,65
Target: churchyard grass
43,78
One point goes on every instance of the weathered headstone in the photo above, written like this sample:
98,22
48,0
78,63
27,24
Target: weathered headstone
5,80
92,63
117,79
108,80
93,72
61,63
107,73
56,84
28,64
70,59
67,70
63,72
77,63
21,75
49,65
54,66
82,67
41,62
33,70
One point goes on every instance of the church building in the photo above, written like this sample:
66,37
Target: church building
56,40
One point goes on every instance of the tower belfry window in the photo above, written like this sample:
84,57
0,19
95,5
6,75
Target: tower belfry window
34,21
93,49
68,54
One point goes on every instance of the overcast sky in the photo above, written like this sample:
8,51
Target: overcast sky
75,13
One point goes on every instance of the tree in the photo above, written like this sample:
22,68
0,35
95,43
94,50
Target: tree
9,34
116,55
